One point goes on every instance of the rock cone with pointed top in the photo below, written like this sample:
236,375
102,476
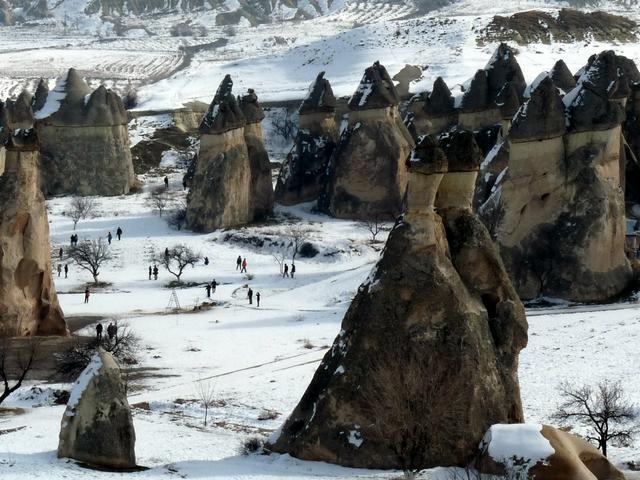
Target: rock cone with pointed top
558,211
302,175
434,111
97,426
367,175
261,188
219,196
396,389
28,301
84,139
562,76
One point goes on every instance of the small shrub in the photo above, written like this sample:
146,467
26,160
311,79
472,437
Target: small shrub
308,250
252,445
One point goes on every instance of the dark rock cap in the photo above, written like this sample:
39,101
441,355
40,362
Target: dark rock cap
22,140
502,68
19,110
587,110
542,116
376,90
224,114
508,100
320,97
250,107
40,97
476,96
605,76
629,68
105,107
427,157
462,151
562,76
439,102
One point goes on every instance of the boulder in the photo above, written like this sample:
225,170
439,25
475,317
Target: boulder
84,139
528,451
396,388
557,212
367,174
28,301
219,195
261,189
97,426
408,74
303,172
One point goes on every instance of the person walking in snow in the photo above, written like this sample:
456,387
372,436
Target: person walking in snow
293,269
208,289
119,233
250,296
239,263
285,273
66,270
206,260
166,182
166,252
111,331
150,272
109,237
155,272
86,295
214,284
60,253
258,299
99,332
244,266
59,269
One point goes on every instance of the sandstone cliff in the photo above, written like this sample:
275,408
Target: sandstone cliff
28,301
302,175
367,175
396,389
84,141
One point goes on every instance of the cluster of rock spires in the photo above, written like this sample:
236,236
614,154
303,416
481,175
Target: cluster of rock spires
28,301
438,308
231,185
558,210
83,136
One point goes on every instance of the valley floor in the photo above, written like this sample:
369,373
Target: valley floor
259,360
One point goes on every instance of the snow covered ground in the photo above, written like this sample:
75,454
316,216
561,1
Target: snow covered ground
259,360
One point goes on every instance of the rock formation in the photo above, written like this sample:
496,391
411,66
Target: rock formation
302,175
558,211
507,450
28,300
84,141
97,427
367,175
434,111
220,188
562,76
397,389
406,75
261,189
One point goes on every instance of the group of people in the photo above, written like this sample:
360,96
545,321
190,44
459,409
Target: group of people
211,287
118,234
112,331
66,270
74,240
250,297
153,272
285,270
241,264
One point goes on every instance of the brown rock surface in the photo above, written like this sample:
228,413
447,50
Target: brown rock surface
437,310
28,301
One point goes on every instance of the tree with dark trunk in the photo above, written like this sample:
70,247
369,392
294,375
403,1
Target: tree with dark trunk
15,363
90,255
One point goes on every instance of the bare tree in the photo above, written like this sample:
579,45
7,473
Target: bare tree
176,259
15,363
79,209
280,258
374,226
285,126
296,235
159,200
205,392
90,255
410,400
604,410
178,215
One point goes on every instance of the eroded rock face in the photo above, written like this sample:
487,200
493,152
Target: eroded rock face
97,426
562,76
558,211
261,189
507,449
28,301
303,172
84,141
437,310
219,196
367,175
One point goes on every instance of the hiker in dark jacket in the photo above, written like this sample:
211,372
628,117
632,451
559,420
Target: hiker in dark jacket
119,233
66,271
250,296
214,285
155,272
150,272
208,289
109,237
285,273
239,263
258,299
99,332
